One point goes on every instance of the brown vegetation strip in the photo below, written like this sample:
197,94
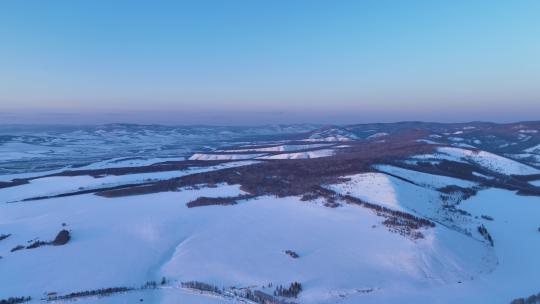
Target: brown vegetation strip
159,167
212,201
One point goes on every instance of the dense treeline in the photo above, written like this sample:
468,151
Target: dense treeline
462,193
256,296
401,222
16,248
15,300
89,293
261,297
532,299
209,201
201,286
291,292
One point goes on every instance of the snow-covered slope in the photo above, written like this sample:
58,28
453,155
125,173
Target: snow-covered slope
485,159
394,193
425,179
514,229
376,188
534,149
115,242
491,161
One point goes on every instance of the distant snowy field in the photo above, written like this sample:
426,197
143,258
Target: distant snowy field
46,148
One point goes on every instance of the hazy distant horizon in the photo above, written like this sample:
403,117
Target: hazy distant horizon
245,62
241,118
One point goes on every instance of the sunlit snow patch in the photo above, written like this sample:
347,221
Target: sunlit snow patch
280,148
375,188
301,155
377,135
208,156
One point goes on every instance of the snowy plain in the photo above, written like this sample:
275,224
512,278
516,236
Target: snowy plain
150,236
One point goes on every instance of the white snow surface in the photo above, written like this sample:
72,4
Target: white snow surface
485,159
375,188
333,135
515,233
301,155
427,141
482,175
280,148
211,156
534,149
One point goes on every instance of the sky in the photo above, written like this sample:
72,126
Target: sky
257,62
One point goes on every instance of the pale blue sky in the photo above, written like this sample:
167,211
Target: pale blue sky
235,62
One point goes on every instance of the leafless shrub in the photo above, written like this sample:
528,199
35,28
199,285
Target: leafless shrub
487,217
18,247
292,254
484,232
